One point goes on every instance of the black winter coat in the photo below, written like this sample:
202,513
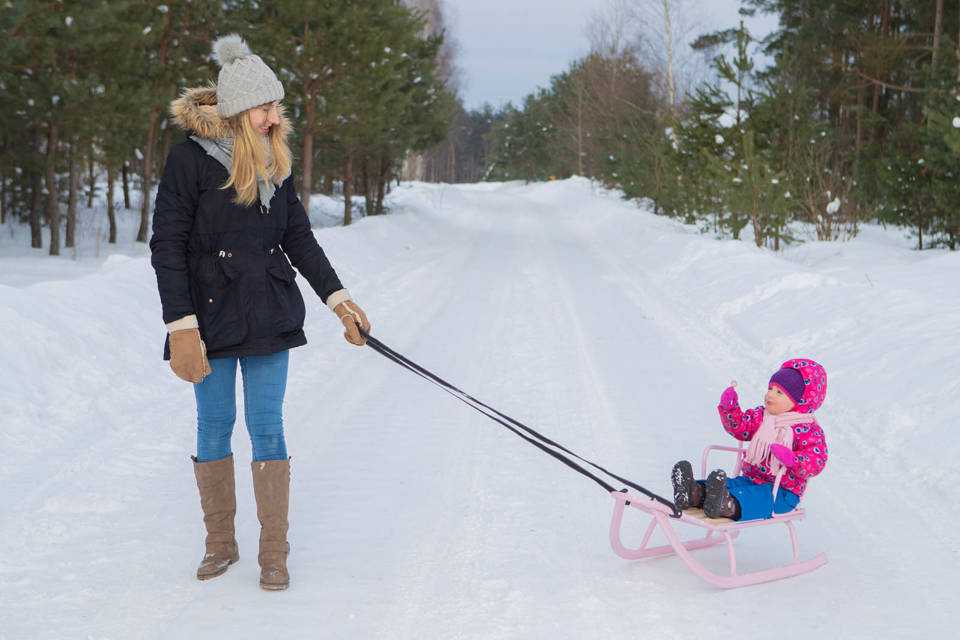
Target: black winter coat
228,264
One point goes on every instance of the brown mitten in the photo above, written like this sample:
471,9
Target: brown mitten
188,355
352,317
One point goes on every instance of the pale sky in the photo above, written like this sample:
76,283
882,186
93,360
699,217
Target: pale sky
509,47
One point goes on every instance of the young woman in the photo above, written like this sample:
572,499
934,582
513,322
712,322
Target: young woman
227,225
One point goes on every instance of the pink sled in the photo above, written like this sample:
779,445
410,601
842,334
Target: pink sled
718,531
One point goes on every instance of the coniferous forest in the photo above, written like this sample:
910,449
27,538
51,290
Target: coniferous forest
85,88
847,112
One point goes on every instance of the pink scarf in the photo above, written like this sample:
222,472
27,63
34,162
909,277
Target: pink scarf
774,429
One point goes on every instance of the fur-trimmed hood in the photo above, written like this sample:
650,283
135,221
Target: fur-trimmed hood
196,111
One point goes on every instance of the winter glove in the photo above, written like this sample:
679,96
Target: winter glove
729,399
784,455
353,319
188,355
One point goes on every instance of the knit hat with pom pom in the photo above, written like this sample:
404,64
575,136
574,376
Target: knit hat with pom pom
245,81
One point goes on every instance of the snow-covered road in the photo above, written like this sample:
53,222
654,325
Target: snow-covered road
607,328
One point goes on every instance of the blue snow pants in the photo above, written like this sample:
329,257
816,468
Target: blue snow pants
264,384
756,500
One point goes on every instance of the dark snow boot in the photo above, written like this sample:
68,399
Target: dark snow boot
719,503
687,492
215,481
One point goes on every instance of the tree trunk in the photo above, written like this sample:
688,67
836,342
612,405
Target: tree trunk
36,235
668,37
73,188
370,180
111,211
348,189
958,53
365,186
937,28
306,156
327,183
92,178
167,140
579,128
146,182
126,185
382,180
3,199
53,204
452,164
859,138
153,132
153,125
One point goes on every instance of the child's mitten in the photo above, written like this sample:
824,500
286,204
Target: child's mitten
784,455
729,399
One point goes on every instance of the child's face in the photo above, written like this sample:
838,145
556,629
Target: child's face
776,401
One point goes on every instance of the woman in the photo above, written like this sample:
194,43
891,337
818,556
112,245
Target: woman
226,220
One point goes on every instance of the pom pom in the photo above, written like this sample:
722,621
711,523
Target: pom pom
229,48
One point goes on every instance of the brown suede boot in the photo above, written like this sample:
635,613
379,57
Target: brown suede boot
218,500
271,486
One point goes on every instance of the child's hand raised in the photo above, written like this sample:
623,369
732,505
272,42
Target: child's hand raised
729,399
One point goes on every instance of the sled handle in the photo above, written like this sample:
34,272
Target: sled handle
720,447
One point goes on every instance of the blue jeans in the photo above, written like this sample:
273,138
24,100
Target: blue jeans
264,383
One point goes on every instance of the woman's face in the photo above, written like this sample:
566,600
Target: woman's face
264,117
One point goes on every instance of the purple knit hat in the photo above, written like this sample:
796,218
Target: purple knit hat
791,381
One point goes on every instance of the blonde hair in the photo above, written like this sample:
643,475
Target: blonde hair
249,159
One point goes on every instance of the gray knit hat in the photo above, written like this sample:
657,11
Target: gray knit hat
245,81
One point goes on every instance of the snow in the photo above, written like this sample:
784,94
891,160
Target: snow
599,324
956,122
718,139
834,205
728,118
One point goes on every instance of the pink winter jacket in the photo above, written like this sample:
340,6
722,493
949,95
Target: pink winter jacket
809,443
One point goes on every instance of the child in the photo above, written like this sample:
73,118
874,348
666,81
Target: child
783,435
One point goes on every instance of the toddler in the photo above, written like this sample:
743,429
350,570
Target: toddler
783,436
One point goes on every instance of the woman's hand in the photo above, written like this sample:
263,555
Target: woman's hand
188,355
353,319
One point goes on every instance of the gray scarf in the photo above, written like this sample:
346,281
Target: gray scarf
222,150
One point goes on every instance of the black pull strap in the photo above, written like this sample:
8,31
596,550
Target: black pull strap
537,439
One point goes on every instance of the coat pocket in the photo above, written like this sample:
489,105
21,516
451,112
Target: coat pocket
289,310
220,308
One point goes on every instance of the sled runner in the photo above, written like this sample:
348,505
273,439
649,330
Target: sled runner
663,511
718,531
